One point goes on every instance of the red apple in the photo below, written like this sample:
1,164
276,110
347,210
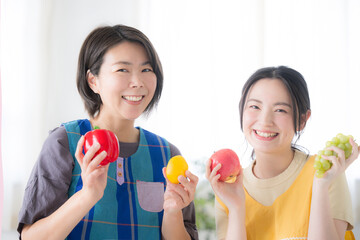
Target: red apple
230,164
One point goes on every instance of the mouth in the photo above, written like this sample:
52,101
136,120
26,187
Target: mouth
266,135
134,99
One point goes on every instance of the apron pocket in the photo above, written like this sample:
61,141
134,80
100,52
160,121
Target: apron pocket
150,195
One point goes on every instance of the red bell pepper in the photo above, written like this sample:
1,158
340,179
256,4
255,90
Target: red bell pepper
108,142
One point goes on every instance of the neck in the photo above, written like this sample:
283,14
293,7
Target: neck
123,128
269,165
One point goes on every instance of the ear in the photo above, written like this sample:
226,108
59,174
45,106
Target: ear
304,118
91,79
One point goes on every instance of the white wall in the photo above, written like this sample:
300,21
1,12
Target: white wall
208,50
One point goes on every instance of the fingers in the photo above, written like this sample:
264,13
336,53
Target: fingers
189,183
185,195
240,176
212,176
99,170
184,192
341,160
79,148
355,149
193,178
88,162
214,172
164,174
95,162
340,152
89,155
207,168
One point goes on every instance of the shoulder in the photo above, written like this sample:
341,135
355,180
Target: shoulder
54,158
174,150
56,137
78,126
49,180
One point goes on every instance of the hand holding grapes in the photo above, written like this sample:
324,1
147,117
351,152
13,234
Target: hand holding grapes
336,158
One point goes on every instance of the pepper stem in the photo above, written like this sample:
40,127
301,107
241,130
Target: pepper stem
96,127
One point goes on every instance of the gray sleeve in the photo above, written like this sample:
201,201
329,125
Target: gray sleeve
173,150
189,211
47,188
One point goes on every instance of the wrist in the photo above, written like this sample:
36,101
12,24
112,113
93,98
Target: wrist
237,206
89,197
320,184
170,213
238,210
237,216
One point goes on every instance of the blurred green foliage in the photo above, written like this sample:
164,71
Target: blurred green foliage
204,200
204,208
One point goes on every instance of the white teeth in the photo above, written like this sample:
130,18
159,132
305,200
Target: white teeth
263,134
133,98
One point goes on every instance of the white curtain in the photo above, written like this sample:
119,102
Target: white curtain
208,49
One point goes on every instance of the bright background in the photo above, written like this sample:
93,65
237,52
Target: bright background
208,49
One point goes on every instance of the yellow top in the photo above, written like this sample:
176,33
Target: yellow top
284,216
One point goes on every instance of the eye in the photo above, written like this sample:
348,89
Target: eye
254,107
147,70
122,70
281,110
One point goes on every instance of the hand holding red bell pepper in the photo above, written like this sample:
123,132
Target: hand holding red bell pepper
108,142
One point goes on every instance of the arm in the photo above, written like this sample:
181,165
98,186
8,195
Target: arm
236,223
177,197
60,223
322,225
188,213
189,217
221,219
233,196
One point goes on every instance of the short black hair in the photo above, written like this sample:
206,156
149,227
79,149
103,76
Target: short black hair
96,44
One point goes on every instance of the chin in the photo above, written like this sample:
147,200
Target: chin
132,114
132,117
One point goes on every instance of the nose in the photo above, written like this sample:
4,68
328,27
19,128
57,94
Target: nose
136,81
266,118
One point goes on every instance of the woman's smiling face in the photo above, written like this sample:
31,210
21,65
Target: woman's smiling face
268,121
126,81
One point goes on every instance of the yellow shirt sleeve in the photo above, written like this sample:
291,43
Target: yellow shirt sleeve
340,200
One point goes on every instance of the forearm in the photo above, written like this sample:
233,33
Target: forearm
321,223
236,228
173,226
60,223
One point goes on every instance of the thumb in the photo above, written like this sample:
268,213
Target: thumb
164,174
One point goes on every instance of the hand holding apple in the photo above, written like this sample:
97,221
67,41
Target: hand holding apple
230,164
108,142
230,190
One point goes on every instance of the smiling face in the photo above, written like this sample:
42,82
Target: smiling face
268,117
126,82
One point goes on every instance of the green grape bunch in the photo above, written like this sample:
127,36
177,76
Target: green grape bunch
341,141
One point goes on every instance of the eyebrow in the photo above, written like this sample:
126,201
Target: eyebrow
129,63
276,104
